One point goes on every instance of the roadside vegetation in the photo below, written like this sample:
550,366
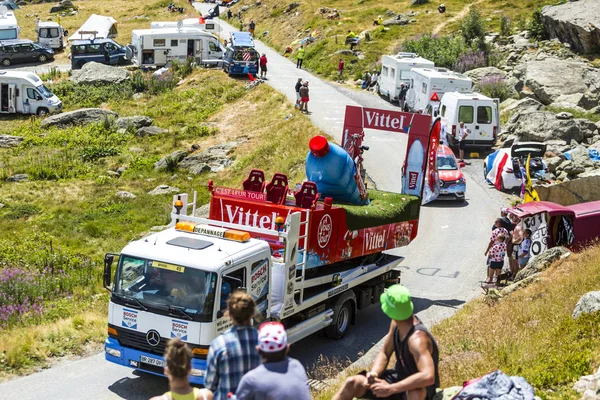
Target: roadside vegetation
459,43
60,223
530,333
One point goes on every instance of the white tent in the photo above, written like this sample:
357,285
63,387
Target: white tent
105,27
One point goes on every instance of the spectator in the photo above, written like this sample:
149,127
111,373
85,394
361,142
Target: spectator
233,353
416,373
300,57
402,95
229,14
498,230
513,245
304,97
252,27
366,80
351,39
378,21
497,253
374,78
263,65
280,376
298,101
524,249
178,364
341,70
442,8
462,135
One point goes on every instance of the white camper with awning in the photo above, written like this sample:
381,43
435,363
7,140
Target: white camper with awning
96,27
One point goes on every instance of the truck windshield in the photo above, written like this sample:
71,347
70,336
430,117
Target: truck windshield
8,34
446,163
166,287
45,91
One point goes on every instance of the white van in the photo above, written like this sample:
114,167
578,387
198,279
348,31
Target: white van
156,47
9,28
479,113
24,93
209,25
50,35
428,85
395,70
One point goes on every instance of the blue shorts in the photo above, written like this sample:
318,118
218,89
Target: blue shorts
523,261
496,264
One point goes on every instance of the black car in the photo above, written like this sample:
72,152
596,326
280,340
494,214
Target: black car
23,51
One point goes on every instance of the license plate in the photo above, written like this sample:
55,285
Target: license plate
152,361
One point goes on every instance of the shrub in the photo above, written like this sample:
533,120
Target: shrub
536,26
495,86
162,83
505,26
469,61
137,82
97,151
444,51
473,30
182,69
23,210
82,96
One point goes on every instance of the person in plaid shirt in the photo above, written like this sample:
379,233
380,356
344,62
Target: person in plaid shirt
233,353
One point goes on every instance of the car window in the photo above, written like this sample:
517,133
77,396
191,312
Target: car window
24,47
385,71
53,33
159,42
174,42
9,49
465,114
392,72
484,115
231,282
213,46
32,94
443,110
424,88
110,47
80,49
445,163
404,74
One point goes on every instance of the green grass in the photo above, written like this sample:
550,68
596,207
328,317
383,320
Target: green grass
384,208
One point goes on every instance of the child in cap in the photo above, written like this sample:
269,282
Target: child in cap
280,376
524,248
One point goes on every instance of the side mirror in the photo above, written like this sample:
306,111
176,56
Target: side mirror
220,314
107,276
462,164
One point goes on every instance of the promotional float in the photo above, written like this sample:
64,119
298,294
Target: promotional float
310,256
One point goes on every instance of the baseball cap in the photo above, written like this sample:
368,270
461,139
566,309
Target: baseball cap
272,337
396,303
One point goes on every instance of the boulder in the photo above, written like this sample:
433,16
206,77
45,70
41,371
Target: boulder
587,382
395,21
588,303
585,188
553,163
525,105
575,77
125,195
18,178
163,189
564,115
78,117
7,141
416,2
203,211
478,74
96,73
542,261
177,156
136,122
539,126
557,146
213,159
576,23
149,131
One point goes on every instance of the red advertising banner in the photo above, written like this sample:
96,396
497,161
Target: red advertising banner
240,194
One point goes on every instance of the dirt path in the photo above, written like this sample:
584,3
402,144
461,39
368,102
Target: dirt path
458,16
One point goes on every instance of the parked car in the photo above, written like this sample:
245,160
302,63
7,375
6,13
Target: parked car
23,51
452,180
502,168
104,51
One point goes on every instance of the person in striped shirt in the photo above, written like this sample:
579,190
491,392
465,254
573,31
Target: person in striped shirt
233,353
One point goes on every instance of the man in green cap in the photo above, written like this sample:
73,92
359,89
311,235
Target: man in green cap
415,375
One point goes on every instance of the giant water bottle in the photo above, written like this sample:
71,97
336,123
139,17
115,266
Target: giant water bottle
333,170
412,181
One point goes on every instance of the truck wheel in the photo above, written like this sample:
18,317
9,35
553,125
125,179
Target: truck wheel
42,111
6,62
341,321
43,58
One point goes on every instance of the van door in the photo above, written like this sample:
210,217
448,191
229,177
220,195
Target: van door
34,98
199,49
466,114
214,51
12,98
4,97
232,279
190,52
484,121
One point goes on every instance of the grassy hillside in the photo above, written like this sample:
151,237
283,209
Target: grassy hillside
287,25
59,224
530,333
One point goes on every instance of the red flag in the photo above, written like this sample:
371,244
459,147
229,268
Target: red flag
434,141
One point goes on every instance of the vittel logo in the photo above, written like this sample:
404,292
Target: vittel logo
380,120
240,216
324,231
375,240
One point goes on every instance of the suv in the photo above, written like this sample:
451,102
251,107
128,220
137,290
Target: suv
23,51
103,51
452,180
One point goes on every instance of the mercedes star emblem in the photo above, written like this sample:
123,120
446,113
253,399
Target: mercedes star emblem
153,338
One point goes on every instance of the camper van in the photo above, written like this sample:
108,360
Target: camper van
156,47
211,25
24,93
9,28
395,70
428,85
50,35
480,114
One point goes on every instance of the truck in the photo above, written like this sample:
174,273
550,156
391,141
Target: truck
428,85
25,93
306,261
9,28
156,47
395,70
51,35
480,114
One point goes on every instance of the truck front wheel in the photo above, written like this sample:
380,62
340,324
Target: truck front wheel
340,325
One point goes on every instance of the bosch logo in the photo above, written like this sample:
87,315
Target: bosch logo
324,231
153,338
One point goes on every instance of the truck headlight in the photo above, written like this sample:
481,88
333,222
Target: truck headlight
113,352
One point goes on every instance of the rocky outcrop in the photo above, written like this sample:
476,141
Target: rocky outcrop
576,23
96,73
588,303
149,131
18,178
573,191
539,126
213,159
163,189
125,195
7,141
542,262
135,122
525,105
175,156
78,117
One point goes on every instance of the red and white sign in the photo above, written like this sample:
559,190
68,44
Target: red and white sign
240,194
324,232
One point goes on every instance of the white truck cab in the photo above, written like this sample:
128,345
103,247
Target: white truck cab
24,93
50,35
395,70
480,114
428,85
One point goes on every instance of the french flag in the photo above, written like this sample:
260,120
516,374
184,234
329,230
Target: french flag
497,160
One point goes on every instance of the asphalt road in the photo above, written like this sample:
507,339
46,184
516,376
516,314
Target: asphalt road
442,267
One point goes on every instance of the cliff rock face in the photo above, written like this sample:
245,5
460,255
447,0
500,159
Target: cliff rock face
576,23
